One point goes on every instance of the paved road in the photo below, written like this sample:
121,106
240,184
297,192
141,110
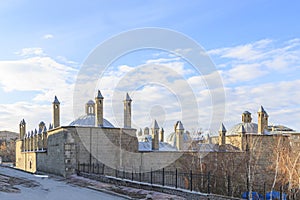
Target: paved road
25,186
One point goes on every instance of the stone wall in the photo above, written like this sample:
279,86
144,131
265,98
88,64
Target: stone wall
25,161
57,158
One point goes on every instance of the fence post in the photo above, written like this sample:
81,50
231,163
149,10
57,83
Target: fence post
163,177
93,168
229,185
132,174
176,178
280,192
265,195
83,167
140,175
208,183
124,173
78,167
103,167
191,184
98,168
151,173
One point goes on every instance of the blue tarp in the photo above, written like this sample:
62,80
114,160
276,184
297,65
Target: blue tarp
275,195
255,196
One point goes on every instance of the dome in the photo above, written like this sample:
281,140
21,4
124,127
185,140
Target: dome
249,128
89,120
145,144
90,102
246,112
171,139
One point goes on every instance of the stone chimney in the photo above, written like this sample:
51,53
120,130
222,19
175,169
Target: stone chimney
179,130
155,134
262,120
56,113
222,135
99,109
127,111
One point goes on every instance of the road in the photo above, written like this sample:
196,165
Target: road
18,185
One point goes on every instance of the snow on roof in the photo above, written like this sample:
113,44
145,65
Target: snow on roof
89,120
247,112
171,139
248,127
90,102
207,147
242,129
163,146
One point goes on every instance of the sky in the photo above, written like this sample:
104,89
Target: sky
254,45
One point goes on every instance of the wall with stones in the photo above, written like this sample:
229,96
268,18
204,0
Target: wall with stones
25,160
117,149
60,156
20,159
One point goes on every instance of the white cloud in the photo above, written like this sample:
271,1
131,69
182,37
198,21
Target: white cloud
34,74
247,52
43,77
156,86
264,73
48,36
34,51
243,72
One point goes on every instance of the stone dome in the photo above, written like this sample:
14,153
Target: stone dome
90,102
250,128
171,139
89,120
145,144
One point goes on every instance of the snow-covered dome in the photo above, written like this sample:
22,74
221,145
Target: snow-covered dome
145,144
249,128
90,102
171,139
89,120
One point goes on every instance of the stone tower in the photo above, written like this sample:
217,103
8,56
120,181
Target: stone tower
146,131
161,135
99,109
127,111
90,107
155,134
222,135
22,129
262,120
246,117
56,113
179,130
242,133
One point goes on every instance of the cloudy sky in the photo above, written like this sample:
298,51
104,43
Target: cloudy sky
254,45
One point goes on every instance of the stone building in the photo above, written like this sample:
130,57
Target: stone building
59,149
93,140
240,133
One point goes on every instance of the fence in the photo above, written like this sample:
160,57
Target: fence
198,182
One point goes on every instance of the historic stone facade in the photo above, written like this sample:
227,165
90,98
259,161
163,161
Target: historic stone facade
93,140
58,150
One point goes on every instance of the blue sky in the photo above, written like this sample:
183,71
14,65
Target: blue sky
254,44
